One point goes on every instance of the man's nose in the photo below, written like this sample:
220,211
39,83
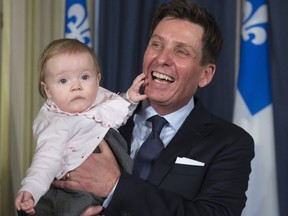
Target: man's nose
164,57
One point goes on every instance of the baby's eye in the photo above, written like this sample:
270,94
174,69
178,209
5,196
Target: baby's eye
63,81
85,77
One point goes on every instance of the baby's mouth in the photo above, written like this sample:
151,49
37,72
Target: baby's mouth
77,98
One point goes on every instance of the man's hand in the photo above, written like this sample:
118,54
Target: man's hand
97,175
92,211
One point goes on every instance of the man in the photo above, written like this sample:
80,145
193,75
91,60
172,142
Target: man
205,165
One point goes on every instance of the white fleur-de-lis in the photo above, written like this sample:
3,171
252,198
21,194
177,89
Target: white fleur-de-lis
251,29
80,28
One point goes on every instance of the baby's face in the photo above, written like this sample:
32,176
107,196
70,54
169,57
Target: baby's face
71,81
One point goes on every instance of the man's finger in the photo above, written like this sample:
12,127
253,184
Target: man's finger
66,184
103,147
92,210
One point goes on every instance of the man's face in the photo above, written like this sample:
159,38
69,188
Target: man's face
172,64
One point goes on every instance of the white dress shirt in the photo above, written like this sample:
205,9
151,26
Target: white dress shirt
143,128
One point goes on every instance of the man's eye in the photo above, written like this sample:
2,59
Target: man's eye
156,45
85,77
182,52
63,81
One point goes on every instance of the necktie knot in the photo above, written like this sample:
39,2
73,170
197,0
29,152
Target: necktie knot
158,123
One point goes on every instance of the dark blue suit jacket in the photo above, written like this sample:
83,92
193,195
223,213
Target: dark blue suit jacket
217,188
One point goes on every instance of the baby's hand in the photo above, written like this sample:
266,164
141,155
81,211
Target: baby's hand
133,92
25,202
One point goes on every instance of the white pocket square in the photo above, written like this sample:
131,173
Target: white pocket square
188,161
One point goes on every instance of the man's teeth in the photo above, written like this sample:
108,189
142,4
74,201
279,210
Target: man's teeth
162,76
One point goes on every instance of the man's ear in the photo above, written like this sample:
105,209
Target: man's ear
207,75
46,90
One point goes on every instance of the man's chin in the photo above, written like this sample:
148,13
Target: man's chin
158,98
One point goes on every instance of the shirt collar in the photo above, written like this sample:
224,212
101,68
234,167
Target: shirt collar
175,119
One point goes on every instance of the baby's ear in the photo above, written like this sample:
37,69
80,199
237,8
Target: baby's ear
46,90
99,76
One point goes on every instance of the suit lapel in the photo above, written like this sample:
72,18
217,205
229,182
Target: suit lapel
126,132
194,129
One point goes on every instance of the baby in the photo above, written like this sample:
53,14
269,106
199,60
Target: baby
75,118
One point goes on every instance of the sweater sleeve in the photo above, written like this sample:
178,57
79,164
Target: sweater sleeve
50,135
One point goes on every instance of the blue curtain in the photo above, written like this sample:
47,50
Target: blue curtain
123,36
219,95
124,27
279,56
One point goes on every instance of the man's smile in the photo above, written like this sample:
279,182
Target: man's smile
161,77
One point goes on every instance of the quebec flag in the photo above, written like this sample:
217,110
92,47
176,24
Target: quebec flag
76,21
253,109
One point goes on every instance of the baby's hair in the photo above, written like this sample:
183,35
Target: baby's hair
61,46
